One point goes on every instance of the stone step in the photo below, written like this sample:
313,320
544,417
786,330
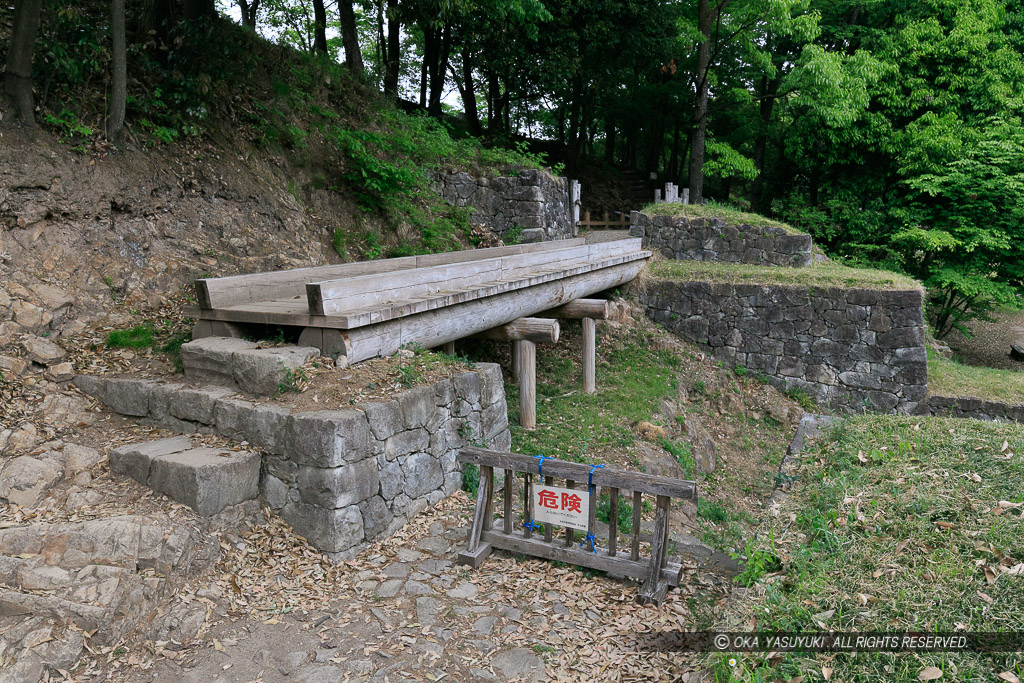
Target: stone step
228,361
206,479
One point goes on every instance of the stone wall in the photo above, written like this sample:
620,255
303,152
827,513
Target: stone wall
700,239
339,477
848,348
533,202
970,407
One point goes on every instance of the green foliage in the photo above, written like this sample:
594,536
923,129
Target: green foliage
292,380
172,347
683,454
740,370
138,337
803,398
470,479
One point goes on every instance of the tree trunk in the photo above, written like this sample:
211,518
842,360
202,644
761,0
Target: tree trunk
428,47
394,46
439,70
319,27
609,140
700,114
197,9
757,190
495,116
672,172
350,37
18,77
249,11
119,73
469,94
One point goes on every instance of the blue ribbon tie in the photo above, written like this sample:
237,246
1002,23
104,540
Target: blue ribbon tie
590,478
540,464
589,539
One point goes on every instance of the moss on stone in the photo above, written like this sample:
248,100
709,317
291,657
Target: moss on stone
827,274
728,214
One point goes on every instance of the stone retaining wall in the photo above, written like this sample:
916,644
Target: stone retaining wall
533,202
849,349
970,407
339,477
699,239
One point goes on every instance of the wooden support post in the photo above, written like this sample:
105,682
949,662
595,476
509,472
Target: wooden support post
476,552
517,357
527,504
634,551
528,385
509,489
449,348
581,308
589,355
570,535
613,521
488,474
549,532
655,587
536,330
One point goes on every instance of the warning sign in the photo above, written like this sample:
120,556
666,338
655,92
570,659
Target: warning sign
564,507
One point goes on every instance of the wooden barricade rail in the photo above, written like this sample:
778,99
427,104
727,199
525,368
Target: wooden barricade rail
516,532
620,222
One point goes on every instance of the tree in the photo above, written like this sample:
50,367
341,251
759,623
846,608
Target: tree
249,11
18,74
319,27
119,73
350,37
700,114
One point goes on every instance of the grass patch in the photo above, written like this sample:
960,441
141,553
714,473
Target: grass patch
138,337
828,274
949,378
896,524
729,214
633,377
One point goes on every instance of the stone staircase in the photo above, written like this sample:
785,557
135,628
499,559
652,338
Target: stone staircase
206,479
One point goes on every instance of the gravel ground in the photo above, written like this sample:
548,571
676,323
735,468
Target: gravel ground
990,345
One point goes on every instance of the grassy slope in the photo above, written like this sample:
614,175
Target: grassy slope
826,274
949,378
640,368
725,212
895,523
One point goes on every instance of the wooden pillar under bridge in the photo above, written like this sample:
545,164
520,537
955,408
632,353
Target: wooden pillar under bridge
449,348
517,350
589,311
528,385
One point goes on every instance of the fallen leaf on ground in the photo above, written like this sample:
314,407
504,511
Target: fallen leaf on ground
929,673
1009,677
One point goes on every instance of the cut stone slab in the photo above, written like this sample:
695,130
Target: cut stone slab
1017,351
24,480
208,360
136,459
207,479
262,371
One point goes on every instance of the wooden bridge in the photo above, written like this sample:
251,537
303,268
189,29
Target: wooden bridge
373,308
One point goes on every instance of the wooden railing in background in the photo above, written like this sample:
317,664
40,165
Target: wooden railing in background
619,222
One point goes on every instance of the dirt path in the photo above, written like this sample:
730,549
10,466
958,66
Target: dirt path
403,611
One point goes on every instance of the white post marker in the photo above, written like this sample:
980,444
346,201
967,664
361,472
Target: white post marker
563,507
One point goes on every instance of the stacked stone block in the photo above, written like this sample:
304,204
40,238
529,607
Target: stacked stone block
701,239
532,202
853,349
339,477
970,407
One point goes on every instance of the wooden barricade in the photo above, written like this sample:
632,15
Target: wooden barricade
516,532
620,222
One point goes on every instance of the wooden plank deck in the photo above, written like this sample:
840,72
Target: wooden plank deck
505,285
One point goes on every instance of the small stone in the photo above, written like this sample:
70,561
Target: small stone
359,666
61,372
408,555
484,625
323,656
511,613
318,673
417,588
559,608
389,589
426,611
518,663
433,545
397,570
42,351
10,366
465,590
290,662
